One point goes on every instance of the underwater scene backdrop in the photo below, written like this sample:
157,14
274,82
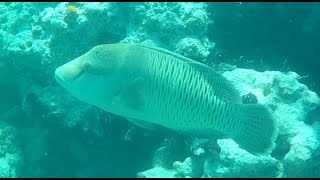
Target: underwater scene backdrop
268,51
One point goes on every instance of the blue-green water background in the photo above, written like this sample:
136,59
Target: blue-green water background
267,36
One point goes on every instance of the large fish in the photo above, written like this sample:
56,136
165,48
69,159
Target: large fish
152,86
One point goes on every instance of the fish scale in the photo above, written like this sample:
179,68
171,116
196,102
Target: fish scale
175,114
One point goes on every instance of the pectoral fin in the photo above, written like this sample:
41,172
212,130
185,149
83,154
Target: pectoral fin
134,96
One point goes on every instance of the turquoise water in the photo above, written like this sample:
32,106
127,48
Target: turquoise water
267,49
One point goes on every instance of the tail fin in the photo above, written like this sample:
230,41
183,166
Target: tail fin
258,129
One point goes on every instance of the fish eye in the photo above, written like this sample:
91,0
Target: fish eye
97,52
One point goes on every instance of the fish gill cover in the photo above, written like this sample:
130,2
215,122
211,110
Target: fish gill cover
265,49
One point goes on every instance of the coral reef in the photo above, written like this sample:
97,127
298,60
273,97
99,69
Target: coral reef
290,102
155,24
11,157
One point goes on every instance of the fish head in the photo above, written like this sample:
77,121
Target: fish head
94,77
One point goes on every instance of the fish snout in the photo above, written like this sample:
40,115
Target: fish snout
59,75
70,71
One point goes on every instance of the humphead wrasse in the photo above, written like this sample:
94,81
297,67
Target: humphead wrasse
152,86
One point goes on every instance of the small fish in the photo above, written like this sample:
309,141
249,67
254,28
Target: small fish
153,87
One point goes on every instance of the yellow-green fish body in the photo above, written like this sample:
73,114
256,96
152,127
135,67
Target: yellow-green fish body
149,85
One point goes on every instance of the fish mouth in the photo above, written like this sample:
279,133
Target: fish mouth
59,77
70,71
62,81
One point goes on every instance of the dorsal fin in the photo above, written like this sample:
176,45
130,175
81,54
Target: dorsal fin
222,88
176,55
